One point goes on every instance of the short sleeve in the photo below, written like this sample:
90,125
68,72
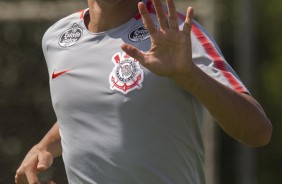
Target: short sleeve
208,57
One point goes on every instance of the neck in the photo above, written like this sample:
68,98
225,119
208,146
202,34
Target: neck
108,14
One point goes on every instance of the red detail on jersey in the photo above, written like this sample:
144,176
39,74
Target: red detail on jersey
125,87
117,59
126,75
216,57
149,8
55,75
81,14
212,52
181,16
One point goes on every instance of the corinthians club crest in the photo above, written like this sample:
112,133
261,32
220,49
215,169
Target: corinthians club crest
126,74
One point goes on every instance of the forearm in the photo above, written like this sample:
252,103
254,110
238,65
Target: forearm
52,141
239,115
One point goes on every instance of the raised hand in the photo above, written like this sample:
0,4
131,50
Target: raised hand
171,52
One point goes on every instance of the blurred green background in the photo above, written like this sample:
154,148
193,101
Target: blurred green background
26,112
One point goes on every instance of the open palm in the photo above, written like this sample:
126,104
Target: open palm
170,52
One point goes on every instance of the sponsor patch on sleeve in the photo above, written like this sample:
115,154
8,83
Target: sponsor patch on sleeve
71,36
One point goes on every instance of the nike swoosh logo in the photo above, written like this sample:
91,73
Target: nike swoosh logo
57,74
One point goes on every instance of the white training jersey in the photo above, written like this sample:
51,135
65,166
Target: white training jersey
120,123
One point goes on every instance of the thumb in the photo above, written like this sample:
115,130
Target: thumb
45,160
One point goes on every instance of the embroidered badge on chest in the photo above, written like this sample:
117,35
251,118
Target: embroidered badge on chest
70,36
126,74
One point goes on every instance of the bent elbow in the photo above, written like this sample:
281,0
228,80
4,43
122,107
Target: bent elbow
266,137
261,137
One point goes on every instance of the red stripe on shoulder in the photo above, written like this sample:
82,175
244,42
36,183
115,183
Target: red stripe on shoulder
181,16
149,8
216,57
81,13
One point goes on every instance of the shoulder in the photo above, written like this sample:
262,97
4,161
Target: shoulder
54,32
61,25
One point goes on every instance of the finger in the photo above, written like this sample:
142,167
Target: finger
133,52
161,14
45,160
31,175
22,181
172,15
188,21
147,20
20,178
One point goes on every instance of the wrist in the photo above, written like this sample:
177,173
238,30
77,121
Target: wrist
53,148
40,147
187,78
